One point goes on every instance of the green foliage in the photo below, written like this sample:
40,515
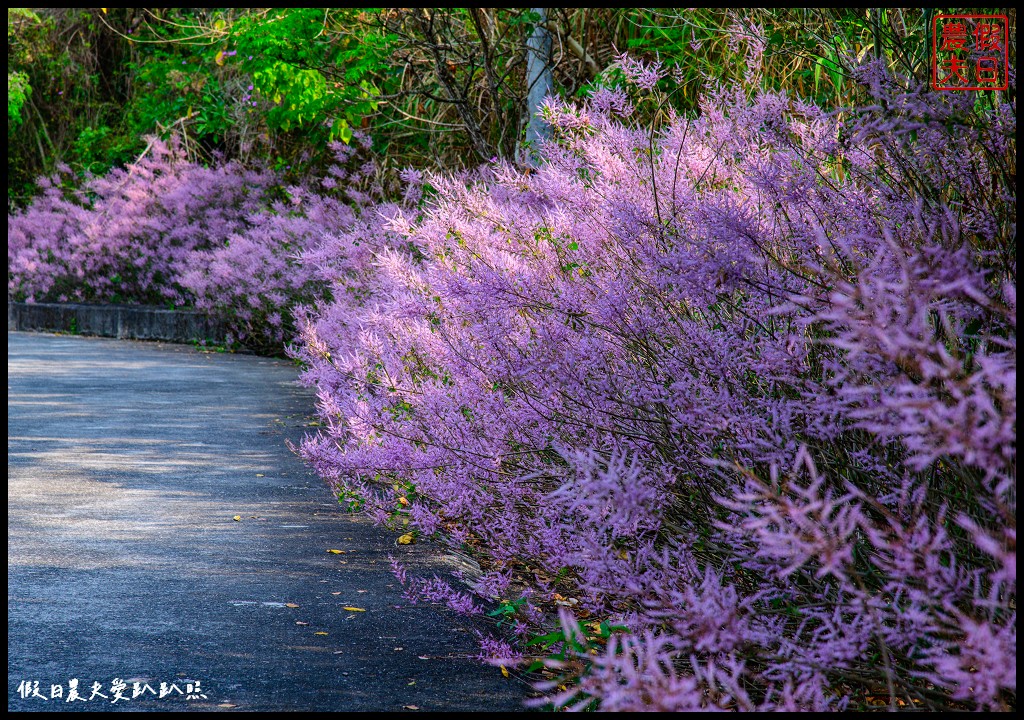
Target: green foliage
507,610
352,502
86,86
18,87
175,91
97,148
75,67
310,73
18,91
16,14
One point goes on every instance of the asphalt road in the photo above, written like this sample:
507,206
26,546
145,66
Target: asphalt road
127,463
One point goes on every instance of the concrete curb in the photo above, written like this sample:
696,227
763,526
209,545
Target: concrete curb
127,322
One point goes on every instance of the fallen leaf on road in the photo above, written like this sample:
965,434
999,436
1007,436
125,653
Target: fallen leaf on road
291,605
237,518
260,475
337,593
319,632
353,609
411,707
504,670
407,539
337,552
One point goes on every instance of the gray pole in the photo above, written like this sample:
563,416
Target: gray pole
539,84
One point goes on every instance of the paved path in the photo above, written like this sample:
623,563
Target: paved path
127,463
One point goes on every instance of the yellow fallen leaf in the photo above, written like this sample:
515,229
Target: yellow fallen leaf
353,609
337,552
291,605
260,475
237,518
406,539
504,670
403,501
319,632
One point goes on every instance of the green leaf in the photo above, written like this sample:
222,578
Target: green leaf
547,640
345,132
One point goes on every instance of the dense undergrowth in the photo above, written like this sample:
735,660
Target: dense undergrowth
724,405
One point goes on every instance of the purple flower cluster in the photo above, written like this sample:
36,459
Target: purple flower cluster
435,590
745,387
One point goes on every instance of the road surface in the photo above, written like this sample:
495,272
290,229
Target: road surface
128,463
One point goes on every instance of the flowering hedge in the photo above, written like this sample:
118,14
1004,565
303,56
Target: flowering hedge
737,395
166,230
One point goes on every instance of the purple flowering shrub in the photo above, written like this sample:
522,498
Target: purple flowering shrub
742,389
260,277
225,239
128,234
